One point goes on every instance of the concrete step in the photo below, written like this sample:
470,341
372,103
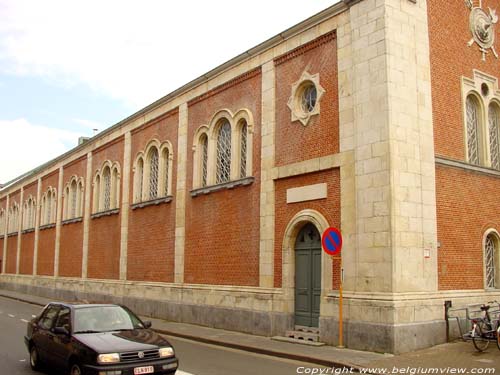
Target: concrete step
297,341
301,335
307,329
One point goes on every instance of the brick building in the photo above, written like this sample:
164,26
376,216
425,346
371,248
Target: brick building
379,117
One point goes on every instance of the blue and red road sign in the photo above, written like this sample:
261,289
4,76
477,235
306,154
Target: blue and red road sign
331,241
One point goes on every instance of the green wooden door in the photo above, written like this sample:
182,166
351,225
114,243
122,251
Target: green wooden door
307,276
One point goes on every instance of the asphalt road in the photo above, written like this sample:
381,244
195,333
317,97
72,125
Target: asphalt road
195,358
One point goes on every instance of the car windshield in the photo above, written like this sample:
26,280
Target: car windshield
104,318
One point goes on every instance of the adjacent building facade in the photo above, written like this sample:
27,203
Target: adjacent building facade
377,117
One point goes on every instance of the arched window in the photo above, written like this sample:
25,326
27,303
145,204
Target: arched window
73,199
204,159
139,171
223,173
29,214
106,176
494,135
473,130
491,254
48,207
153,173
97,192
107,187
243,149
14,218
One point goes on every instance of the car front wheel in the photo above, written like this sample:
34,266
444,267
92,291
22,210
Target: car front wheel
34,358
75,369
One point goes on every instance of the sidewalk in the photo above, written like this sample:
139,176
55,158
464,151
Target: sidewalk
452,355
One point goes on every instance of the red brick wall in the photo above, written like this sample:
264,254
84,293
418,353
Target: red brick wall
467,202
11,254
151,235
47,237
451,59
222,228
27,250
295,142
71,241
104,239
329,208
464,213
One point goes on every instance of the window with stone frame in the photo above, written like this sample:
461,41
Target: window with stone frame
204,159
106,187
494,135
14,218
73,199
29,213
138,176
473,113
223,171
222,150
153,172
492,261
48,207
243,137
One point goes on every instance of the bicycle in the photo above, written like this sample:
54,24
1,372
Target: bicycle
486,329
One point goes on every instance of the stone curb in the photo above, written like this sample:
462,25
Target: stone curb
247,348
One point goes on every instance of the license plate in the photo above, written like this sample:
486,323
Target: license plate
144,370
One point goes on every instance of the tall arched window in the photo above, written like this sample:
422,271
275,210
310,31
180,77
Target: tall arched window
29,213
14,218
473,130
243,149
97,193
491,254
153,173
494,135
106,175
73,199
139,171
48,207
204,159
223,173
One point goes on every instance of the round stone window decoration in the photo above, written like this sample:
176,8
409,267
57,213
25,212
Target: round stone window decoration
305,98
482,27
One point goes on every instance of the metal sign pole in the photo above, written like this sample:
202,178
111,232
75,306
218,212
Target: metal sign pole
331,241
341,323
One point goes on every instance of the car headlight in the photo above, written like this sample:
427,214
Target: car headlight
108,358
166,352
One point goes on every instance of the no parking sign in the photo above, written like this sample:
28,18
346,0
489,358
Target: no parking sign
331,240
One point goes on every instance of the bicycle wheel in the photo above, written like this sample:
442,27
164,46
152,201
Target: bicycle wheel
478,336
498,337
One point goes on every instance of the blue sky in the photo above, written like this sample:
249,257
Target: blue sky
68,67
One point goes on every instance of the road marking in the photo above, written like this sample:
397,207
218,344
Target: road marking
24,320
179,372
12,316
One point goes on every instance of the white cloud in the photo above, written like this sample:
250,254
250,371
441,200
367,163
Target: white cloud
136,51
24,146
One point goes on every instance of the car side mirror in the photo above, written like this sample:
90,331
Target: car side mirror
147,324
61,331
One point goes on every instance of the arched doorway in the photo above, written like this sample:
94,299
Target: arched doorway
307,276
